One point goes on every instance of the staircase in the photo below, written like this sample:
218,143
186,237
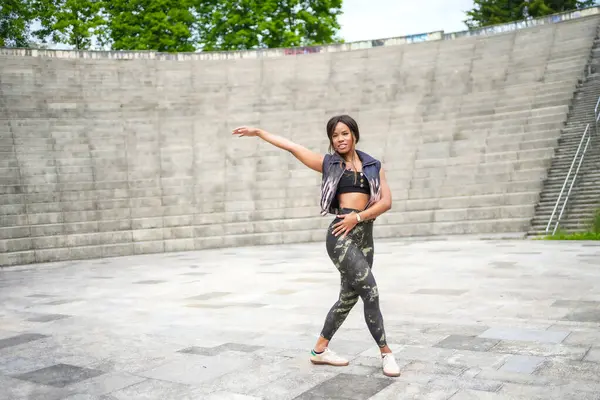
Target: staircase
585,195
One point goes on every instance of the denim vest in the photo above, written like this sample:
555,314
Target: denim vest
333,168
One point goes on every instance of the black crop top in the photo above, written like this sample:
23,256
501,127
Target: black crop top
353,182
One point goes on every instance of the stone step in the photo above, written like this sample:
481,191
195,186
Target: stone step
60,239
532,175
581,216
581,221
581,188
546,207
147,216
566,164
475,227
583,180
469,145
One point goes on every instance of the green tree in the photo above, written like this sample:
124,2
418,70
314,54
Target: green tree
540,8
15,19
72,22
160,25
491,12
250,24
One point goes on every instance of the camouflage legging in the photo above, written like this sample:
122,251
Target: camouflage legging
353,257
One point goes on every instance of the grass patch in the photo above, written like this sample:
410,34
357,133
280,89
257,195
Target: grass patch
592,233
574,236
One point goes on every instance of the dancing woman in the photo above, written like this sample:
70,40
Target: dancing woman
355,190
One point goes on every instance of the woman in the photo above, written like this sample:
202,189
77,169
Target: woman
354,189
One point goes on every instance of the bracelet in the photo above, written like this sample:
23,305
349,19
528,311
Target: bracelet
358,218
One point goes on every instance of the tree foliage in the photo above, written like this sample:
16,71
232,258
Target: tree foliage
491,12
171,25
248,24
540,8
72,22
15,18
160,25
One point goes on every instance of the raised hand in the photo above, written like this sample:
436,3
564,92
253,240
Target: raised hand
245,131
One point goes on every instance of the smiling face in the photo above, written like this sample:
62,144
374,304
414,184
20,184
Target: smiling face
342,139
343,134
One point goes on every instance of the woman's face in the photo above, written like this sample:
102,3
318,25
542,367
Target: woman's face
342,139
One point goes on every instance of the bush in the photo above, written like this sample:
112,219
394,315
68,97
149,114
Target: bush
593,232
595,223
574,236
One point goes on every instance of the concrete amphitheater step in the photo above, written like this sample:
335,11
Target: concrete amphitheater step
102,172
159,227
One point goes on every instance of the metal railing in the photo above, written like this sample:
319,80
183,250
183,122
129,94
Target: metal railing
597,115
587,134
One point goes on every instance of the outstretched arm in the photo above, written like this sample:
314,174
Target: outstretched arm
307,157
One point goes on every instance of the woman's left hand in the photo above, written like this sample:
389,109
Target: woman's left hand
348,222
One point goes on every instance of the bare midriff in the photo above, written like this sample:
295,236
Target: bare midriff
357,201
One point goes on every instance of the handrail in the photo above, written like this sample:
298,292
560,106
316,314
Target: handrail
596,114
567,179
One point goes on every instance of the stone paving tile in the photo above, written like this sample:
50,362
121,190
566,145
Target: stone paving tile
434,368
582,337
559,351
59,302
469,394
260,372
455,329
195,370
292,385
518,391
593,355
527,335
576,303
414,391
176,340
208,296
504,264
571,370
472,343
59,375
442,292
229,396
464,382
48,317
347,386
584,316
213,351
104,384
16,389
149,282
522,364
20,339
157,389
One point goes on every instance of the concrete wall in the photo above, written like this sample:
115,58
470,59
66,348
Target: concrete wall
105,157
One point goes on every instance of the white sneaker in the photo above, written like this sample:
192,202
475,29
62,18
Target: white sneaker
390,367
328,357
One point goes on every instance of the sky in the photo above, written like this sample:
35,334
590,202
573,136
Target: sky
380,19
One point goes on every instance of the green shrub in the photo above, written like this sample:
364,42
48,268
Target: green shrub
593,232
595,223
574,236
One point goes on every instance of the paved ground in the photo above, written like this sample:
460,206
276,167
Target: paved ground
467,319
